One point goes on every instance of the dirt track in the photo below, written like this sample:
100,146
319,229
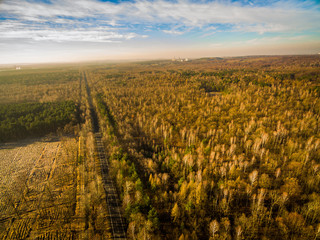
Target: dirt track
117,222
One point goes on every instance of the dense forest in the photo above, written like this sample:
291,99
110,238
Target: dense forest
38,100
214,148
22,120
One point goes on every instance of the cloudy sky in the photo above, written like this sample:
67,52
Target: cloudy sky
81,30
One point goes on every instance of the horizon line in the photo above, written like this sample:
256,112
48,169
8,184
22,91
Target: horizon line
128,60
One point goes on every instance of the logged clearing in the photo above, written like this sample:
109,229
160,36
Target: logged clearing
47,191
37,189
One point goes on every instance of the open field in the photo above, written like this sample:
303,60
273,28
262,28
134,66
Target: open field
39,85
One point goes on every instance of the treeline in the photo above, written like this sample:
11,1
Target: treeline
231,155
23,120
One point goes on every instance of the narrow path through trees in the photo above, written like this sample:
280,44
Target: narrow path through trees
117,222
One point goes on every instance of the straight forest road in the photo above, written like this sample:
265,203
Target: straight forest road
117,222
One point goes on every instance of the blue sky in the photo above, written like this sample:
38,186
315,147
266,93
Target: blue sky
68,30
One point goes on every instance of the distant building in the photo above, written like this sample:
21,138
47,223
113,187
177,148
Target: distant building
174,59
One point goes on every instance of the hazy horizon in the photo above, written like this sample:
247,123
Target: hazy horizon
44,31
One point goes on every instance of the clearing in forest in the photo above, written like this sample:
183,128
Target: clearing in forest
37,193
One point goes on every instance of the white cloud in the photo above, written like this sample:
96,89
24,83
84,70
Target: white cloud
282,16
173,32
12,29
272,40
105,22
68,35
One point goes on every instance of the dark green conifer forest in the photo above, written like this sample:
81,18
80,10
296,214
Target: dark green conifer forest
34,119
